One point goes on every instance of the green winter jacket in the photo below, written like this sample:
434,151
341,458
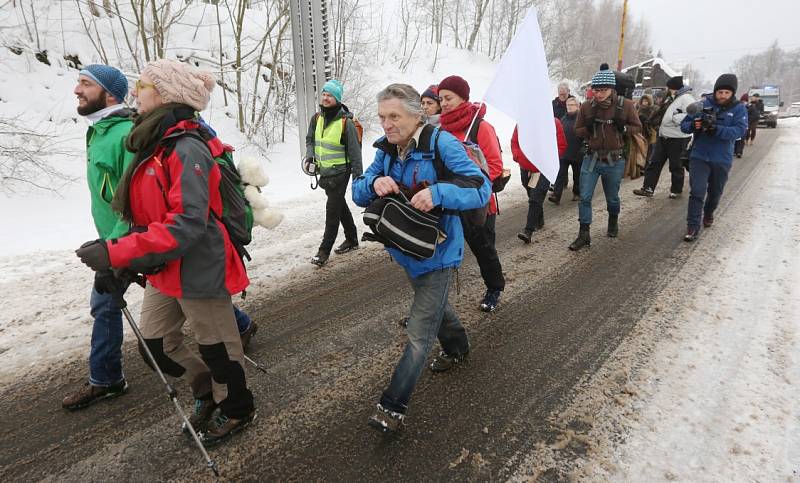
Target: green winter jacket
107,160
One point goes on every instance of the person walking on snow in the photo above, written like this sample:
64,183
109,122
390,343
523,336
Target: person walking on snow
536,191
101,90
671,141
464,120
603,122
404,158
333,144
431,105
170,194
571,157
712,152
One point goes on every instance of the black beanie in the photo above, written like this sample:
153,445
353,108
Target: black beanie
675,83
726,81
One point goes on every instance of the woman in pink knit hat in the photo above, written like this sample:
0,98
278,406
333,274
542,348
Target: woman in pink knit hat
170,195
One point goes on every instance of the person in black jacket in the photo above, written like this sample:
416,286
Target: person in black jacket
754,111
572,156
560,102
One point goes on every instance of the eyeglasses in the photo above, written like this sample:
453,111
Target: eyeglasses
143,85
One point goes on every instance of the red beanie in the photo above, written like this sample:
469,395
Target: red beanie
455,84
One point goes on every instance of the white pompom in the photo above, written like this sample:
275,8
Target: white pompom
255,198
252,173
268,218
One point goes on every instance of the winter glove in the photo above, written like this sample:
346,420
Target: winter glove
95,255
116,281
105,282
698,125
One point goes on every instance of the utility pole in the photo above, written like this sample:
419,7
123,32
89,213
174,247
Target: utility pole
310,43
622,35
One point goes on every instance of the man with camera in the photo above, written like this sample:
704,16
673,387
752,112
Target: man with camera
716,121
432,167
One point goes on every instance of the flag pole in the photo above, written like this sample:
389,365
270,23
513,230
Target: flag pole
474,118
622,35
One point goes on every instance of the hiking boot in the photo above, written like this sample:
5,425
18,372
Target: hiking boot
525,236
346,246
248,334
321,258
691,234
386,421
554,199
613,226
674,196
648,192
204,409
89,394
444,362
708,220
583,240
224,427
490,301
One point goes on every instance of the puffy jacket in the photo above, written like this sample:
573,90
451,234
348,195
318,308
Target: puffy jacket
490,147
717,147
674,114
468,189
349,141
106,161
574,143
173,200
520,157
606,137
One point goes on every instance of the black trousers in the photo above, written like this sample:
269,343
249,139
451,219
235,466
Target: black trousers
336,211
563,172
481,241
536,196
666,149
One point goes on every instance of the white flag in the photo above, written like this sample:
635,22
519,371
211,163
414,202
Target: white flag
521,89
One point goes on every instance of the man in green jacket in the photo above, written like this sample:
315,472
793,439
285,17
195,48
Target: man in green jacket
101,89
333,143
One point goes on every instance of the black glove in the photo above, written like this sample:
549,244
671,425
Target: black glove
105,282
95,255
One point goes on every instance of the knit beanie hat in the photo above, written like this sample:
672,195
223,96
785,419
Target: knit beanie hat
111,79
604,77
727,81
455,84
179,82
334,88
675,83
432,92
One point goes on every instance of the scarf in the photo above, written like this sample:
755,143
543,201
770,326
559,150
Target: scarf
329,113
144,138
460,118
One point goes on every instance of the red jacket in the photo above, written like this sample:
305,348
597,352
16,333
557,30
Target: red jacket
172,198
490,147
520,157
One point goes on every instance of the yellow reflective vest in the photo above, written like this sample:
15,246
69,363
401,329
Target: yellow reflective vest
328,148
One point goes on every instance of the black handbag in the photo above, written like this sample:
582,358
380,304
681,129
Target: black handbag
397,224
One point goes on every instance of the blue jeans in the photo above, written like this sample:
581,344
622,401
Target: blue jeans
704,177
242,319
611,176
431,316
105,358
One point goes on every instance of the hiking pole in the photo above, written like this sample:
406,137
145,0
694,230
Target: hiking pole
255,364
171,392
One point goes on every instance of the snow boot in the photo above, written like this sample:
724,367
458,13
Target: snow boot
648,192
490,301
224,427
554,198
346,246
708,219
204,409
691,234
89,394
525,236
583,240
387,421
613,226
321,258
444,362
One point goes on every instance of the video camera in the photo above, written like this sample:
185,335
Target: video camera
706,115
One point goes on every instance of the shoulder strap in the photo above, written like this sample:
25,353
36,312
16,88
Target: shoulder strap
473,133
442,172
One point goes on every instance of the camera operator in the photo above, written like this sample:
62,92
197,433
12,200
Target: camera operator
716,121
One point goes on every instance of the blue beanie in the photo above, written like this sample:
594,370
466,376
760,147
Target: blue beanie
334,88
604,77
109,78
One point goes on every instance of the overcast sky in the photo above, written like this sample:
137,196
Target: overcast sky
712,34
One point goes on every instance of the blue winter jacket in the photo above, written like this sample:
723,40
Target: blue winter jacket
466,189
718,146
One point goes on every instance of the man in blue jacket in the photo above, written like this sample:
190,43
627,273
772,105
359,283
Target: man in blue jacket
716,127
405,159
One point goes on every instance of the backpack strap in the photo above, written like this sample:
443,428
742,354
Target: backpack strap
472,136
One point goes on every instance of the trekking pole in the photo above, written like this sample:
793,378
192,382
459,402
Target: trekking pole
255,364
171,392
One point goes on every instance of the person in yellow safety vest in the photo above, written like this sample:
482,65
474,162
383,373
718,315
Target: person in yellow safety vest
333,144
